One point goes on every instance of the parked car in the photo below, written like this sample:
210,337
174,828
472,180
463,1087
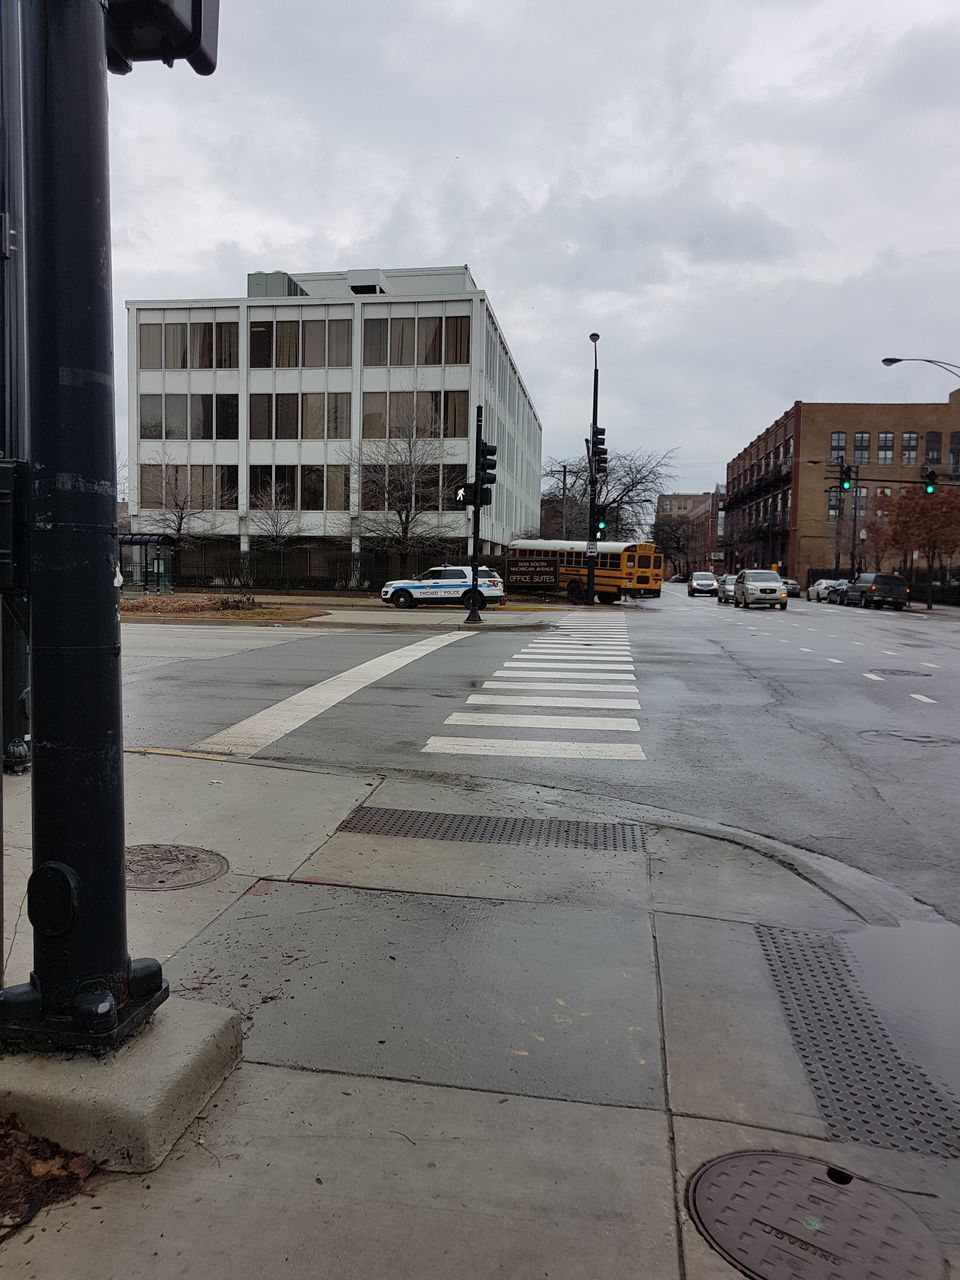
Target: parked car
446,584
725,588
818,591
793,587
679,577
874,590
702,584
759,586
835,590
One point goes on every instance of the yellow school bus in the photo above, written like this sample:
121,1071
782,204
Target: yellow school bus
624,569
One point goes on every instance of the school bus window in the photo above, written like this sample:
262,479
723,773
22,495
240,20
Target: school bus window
658,562
630,561
643,562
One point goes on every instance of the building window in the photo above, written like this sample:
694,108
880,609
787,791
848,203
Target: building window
402,330
374,415
311,488
666,506
954,453
228,344
833,502
428,494
228,480
402,414
455,415
261,415
151,417
880,502
428,413
288,344
175,346
201,487
175,416
201,417
375,341
261,344
201,344
176,488
861,447
228,416
428,340
338,488
457,340
908,448
454,478
373,487
314,343
261,486
838,446
338,414
288,413
340,344
285,488
885,449
151,346
151,487
312,409
933,446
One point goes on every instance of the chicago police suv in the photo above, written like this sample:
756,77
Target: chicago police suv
448,584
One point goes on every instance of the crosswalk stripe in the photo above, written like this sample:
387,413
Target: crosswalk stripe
567,664
550,684
584,704
503,720
525,672
532,748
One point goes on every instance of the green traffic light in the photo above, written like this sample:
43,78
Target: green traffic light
847,484
930,488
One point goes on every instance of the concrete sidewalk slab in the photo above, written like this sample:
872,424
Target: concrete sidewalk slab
540,1000
127,1109
431,619
586,878
292,1174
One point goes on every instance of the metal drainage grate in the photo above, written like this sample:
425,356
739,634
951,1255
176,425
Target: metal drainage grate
543,833
867,1090
172,866
898,671
883,736
782,1216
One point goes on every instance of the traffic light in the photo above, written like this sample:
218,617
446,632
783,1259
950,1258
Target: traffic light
929,481
601,523
846,478
486,472
598,451
162,31
462,496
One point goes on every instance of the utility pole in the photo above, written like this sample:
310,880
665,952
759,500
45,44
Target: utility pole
563,506
593,444
484,478
84,990
854,530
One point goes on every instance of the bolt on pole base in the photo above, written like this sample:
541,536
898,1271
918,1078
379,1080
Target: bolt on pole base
95,1023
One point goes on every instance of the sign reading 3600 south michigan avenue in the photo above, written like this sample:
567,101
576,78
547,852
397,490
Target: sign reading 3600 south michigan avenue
532,571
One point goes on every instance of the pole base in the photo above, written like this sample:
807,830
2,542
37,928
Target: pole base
473,616
16,758
24,1025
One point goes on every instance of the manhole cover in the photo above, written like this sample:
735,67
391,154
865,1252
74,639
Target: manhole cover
894,671
781,1217
171,866
901,735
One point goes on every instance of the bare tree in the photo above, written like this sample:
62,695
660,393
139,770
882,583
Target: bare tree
629,491
180,501
400,481
674,535
929,524
275,521
878,534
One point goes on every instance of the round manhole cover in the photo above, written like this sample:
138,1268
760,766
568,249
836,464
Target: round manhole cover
171,866
779,1216
895,671
902,735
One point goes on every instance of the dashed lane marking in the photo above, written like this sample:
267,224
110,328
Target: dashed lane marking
839,661
870,676
934,665
922,697
802,650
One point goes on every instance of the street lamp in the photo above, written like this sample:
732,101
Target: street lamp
592,464
889,361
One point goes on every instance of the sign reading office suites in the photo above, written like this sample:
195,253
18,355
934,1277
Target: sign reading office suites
533,571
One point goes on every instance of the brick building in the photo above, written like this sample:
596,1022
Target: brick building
783,507
703,513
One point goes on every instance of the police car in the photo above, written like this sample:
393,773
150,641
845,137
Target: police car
447,584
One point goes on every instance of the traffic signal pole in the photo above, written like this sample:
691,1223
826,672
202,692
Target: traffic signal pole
592,501
474,615
84,990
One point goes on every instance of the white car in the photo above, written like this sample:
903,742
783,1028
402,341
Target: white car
820,588
446,584
759,586
702,584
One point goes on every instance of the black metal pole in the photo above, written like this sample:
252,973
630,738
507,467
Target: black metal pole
855,520
592,504
474,614
84,989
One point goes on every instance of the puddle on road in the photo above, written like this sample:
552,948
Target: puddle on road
910,975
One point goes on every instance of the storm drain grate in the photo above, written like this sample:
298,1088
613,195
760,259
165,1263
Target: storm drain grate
542,833
866,1088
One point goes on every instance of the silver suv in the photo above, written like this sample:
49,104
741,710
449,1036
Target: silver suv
725,588
759,586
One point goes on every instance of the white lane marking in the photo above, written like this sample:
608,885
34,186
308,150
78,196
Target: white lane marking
802,650
839,661
578,751
813,628
578,674
571,646
567,664
582,704
859,642
249,736
934,665
891,653
783,642
922,697
502,720
870,676
549,686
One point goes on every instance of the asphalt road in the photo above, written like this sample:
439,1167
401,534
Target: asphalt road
837,730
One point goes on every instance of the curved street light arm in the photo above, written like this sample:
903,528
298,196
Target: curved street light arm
941,364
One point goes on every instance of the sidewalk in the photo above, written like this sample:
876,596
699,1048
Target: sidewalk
492,1031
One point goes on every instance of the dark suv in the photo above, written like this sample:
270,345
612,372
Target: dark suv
875,590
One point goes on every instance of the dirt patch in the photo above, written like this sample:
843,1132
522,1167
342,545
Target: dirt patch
34,1174
212,608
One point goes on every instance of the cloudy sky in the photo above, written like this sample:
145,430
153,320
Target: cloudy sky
751,200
